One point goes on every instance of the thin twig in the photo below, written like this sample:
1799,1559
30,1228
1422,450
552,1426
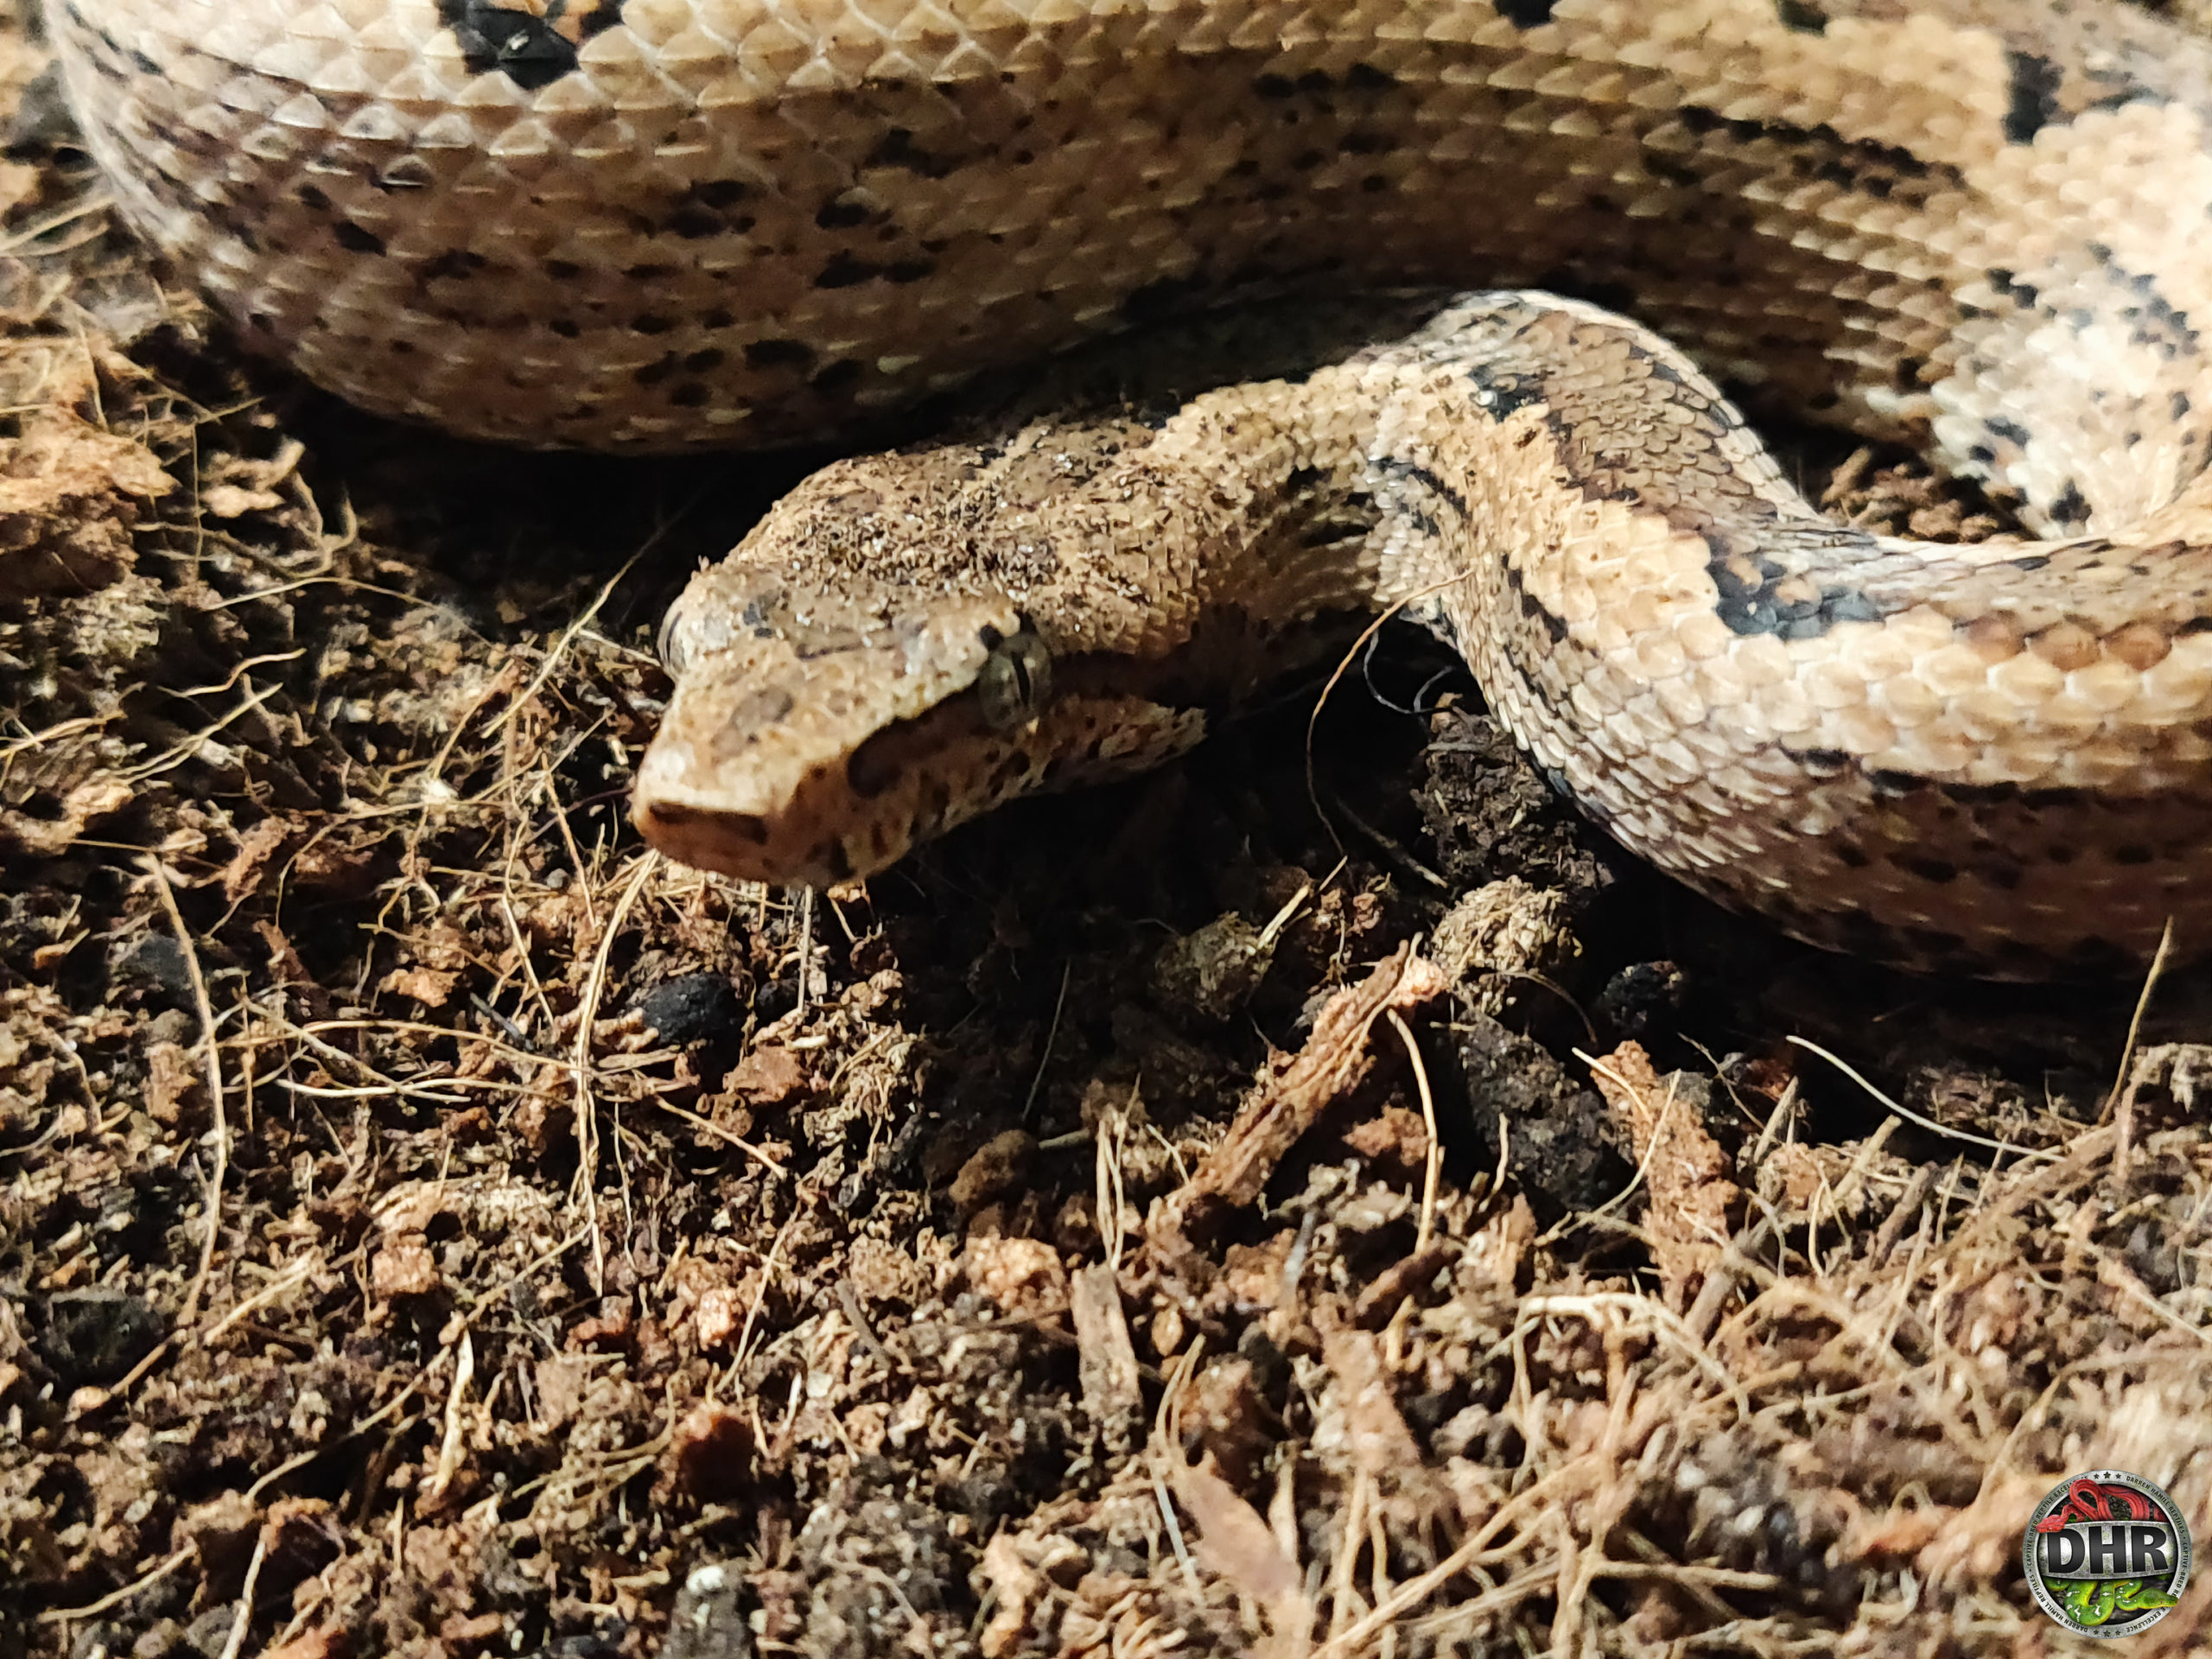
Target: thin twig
1052,1032
211,1060
450,1447
236,1644
117,1598
587,1132
805,948
1344,665
581,620
2135,1022
1472,1552
767,1283
1928,1123
707,1125
1433,1163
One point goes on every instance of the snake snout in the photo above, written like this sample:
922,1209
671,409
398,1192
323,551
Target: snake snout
814,736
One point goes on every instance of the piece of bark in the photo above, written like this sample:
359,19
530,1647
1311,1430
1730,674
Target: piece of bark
1106,1359
1292,1093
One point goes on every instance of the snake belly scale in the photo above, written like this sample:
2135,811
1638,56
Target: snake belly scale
1981,226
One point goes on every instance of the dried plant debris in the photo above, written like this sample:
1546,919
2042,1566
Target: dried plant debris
1169,1221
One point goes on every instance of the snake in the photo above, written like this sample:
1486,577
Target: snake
1555,247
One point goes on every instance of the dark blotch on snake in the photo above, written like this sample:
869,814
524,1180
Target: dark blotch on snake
899,149
2012,287
693,222
1755,607
355,239
529,49
873,767
2036,81
452,265
1857,157
845,271
1936,871
1554,626
1826,761
1503,395
778,354
1391,466
2071,507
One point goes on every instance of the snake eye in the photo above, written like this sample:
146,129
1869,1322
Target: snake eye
1016,678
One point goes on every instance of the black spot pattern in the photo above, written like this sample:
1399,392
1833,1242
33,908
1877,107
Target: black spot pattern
453,264
1526,13
897,149
1825,761
355,238
1753,584
1391,466
2034,106
845,271
2154,321
1504,394
1534,611
2006,284
530,50
1856,163
1939,872
776,354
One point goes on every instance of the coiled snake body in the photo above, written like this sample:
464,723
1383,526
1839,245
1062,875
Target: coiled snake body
1979,225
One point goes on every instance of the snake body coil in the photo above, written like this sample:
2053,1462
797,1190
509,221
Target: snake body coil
1979,224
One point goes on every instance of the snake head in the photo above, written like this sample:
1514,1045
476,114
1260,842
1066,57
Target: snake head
816,736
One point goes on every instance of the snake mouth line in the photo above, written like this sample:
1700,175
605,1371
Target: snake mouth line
844,807
859,812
